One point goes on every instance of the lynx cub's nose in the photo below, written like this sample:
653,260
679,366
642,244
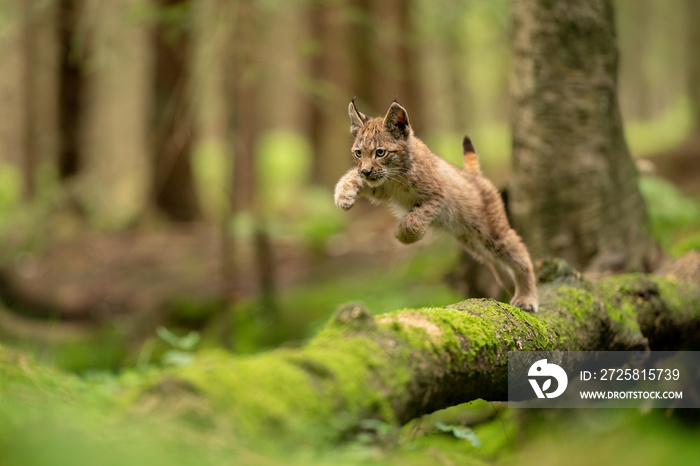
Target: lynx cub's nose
366,172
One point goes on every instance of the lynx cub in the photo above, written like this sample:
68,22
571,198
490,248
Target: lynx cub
423,189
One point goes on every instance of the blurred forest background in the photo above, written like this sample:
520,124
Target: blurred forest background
172,162
169,164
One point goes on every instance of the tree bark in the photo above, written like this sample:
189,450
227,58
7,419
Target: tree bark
574,192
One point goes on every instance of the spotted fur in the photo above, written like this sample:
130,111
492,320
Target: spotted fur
395,167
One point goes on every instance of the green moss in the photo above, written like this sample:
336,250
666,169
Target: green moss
417,339
353,315
682,299
632,299
242,388
48,417
578,302
359,368
473,329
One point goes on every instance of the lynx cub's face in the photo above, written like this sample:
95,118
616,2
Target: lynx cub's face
381,144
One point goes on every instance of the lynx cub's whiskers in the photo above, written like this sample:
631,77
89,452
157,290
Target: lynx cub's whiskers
394,166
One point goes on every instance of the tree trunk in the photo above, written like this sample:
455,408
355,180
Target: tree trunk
28,80
329,93
457,51
29,153
174,187
360,44
71,90
574,193
388,77
246,117
114,171
409,40
246,135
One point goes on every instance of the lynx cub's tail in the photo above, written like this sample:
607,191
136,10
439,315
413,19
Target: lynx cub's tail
471,160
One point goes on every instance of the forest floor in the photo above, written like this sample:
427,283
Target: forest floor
95,276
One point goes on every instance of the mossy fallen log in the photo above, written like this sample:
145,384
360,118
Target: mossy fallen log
401,365
404,364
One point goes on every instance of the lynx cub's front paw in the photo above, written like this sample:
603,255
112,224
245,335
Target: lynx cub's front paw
346,190
345,199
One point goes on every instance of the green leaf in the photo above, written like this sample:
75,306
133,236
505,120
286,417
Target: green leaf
467,433
168,336
177,358
444,427
460,432
189,341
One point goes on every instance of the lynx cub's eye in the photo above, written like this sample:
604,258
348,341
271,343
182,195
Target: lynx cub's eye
380,152
358,153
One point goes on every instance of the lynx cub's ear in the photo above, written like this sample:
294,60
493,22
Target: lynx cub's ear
357,119
396,121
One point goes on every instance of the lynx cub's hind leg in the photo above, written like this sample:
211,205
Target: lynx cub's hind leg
518,260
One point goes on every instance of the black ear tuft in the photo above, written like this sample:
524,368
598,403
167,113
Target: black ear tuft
396,121
357,119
